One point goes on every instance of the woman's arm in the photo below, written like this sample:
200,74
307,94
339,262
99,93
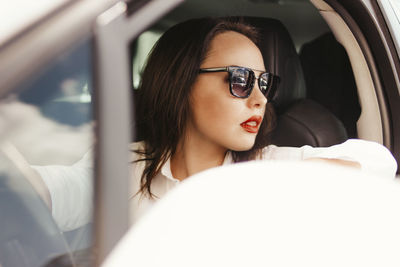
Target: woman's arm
66,190
365,155
71,192
30,174
340,162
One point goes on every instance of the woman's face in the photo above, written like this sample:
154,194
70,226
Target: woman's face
219,118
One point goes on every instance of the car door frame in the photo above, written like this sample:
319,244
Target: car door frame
366,21
115,29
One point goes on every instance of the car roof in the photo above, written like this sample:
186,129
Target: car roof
286,11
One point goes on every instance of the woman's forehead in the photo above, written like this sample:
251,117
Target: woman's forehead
232,48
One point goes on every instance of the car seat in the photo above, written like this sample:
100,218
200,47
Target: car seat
300,121
326,65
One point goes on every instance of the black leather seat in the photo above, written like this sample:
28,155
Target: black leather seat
300,121
326,66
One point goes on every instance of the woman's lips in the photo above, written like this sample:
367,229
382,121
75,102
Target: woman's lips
252,124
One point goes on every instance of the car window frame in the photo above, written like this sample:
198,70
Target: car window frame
365,20
114,30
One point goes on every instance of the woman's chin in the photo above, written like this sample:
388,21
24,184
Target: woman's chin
244,145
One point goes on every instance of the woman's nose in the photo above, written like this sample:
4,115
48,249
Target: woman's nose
257,99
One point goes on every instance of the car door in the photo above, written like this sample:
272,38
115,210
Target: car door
65,99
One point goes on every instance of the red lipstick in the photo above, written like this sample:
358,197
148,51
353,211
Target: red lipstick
252,124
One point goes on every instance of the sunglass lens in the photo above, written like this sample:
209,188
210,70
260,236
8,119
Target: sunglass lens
265,83
240,82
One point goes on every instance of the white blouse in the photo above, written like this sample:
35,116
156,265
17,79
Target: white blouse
71,187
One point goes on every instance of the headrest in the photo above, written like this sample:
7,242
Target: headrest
280,57
308,123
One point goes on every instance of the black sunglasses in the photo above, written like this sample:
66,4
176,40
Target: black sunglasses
241,81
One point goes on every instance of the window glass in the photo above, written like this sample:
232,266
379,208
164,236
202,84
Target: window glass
46,140
391,11
142,48
396,7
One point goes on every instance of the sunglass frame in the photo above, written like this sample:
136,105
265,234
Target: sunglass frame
252,77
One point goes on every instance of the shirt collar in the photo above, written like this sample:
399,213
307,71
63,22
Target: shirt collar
166,168
166,171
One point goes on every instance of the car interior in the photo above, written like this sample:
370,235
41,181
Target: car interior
316,102
325,95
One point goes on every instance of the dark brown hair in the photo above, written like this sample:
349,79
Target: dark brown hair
163,102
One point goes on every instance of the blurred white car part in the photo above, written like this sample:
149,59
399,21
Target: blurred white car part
18,15
270,214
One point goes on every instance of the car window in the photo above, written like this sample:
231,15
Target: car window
396,22
142,47
391,12
396,8
46,125
325,64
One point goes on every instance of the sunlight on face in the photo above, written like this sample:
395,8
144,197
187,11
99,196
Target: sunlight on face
218,118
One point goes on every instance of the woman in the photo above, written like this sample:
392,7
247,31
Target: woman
190,115
203,102
199,108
